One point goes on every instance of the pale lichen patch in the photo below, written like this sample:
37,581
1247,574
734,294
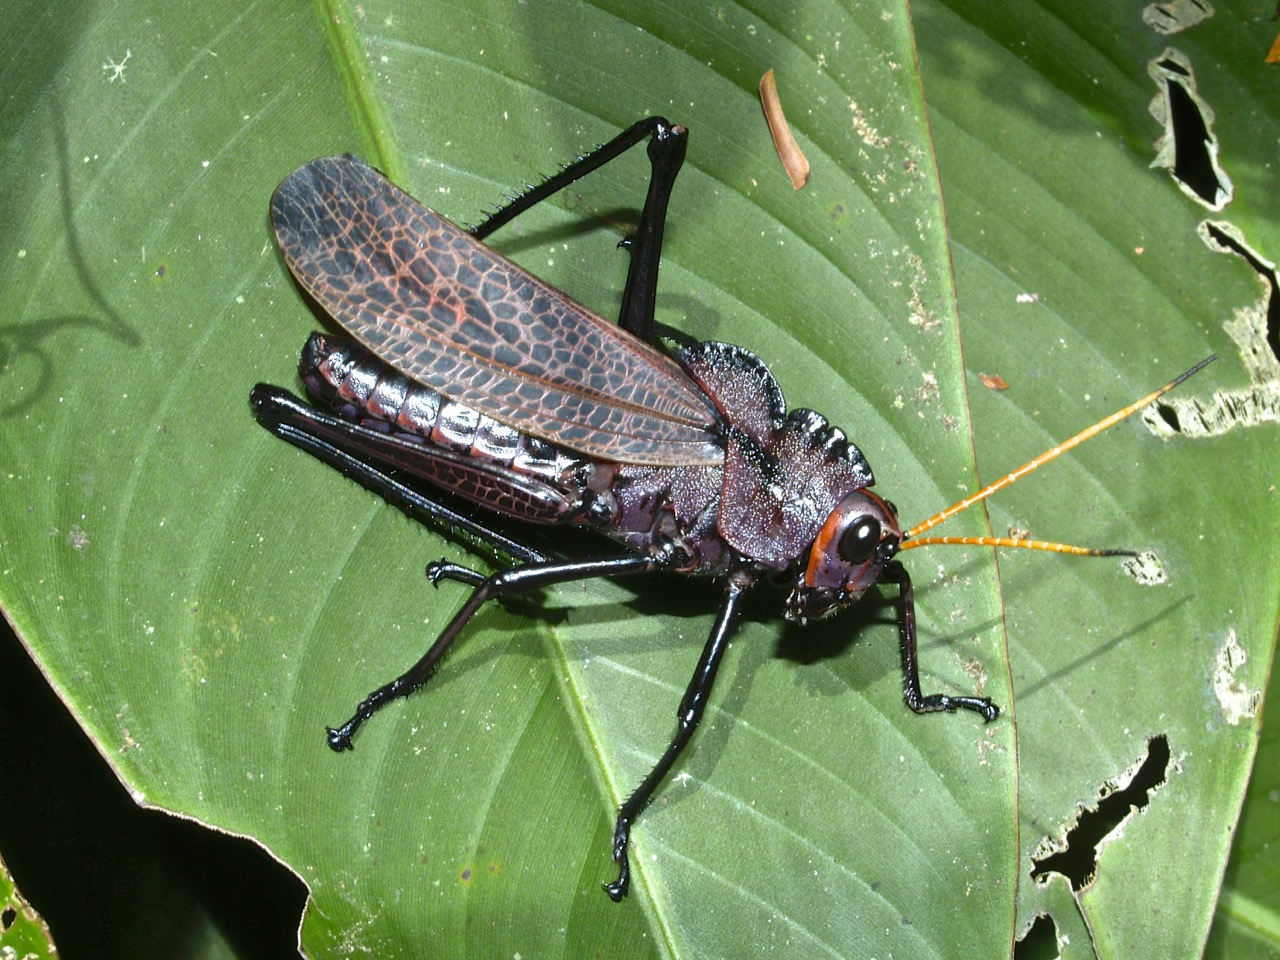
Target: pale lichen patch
1236,699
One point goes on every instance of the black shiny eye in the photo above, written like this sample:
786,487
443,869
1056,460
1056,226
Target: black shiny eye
860,538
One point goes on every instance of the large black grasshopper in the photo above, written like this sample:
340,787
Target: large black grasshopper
465,374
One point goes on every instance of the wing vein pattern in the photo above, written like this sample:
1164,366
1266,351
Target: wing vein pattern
432,301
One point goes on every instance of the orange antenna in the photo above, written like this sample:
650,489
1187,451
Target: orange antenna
910,540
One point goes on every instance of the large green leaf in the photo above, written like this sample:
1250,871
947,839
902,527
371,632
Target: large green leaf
206,599
1050,195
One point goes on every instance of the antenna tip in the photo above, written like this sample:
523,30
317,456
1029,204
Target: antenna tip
1194,370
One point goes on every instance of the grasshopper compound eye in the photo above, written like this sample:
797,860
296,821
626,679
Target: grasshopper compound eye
859,541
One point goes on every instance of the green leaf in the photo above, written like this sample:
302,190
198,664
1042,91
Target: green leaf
206,599
22,932
1248,919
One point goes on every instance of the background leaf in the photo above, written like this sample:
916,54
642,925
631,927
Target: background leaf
21,927
205,599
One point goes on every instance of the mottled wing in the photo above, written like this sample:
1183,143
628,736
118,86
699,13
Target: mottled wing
436,304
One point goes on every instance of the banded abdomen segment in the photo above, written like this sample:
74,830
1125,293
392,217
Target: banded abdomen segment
448,443
494,465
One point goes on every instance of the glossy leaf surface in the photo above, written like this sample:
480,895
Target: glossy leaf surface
206,599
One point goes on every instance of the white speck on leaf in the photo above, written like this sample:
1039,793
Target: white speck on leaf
117,69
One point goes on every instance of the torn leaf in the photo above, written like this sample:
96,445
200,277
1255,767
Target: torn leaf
1076,855
1174,16
1188,148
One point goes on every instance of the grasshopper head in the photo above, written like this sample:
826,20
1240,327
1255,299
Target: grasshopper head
859,537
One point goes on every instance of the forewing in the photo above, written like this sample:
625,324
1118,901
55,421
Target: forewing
435,303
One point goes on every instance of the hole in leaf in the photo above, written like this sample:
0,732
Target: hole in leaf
1192,163
7,918
1188,148
1228,240
1255,331
1169,416
1040,942
1078,859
